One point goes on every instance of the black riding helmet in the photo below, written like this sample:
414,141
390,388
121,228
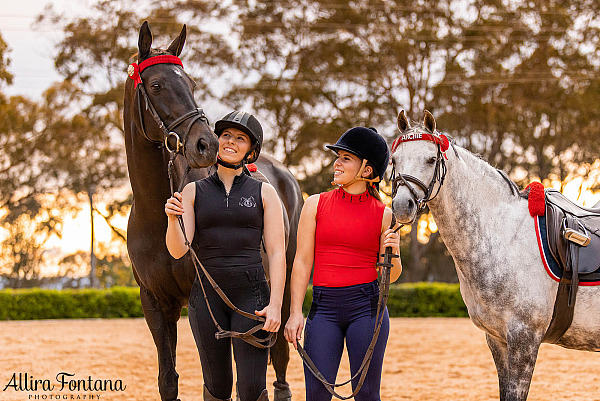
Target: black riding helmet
367,144
246,123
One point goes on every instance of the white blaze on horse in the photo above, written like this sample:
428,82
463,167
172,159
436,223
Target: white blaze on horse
486,226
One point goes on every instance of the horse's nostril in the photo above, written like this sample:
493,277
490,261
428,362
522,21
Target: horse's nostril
201,145
411,204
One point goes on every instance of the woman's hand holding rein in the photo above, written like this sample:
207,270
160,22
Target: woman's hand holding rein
174,206
180,204
392,239
294,328
272,315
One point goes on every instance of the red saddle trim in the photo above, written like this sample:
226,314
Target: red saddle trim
542,253
544,257
537,199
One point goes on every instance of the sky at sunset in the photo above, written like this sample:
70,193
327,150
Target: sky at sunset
31,48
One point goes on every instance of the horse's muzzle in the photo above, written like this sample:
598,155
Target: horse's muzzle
202,152
404,208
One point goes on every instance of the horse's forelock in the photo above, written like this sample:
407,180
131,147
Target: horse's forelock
153,52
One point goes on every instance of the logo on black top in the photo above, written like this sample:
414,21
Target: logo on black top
247,202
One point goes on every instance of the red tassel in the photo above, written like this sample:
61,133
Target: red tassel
251,167
537,199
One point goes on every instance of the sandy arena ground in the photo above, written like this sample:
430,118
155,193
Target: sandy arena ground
426,359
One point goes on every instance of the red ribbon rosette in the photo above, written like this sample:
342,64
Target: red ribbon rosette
134,73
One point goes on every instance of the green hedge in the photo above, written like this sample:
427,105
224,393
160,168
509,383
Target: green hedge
406,300
426,300
36,303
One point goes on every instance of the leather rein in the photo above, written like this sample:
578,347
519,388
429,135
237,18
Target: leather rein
439,174
179,149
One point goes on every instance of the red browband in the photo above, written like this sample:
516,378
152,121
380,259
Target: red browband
134,70
438,139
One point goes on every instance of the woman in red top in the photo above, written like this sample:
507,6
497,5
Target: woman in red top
344,232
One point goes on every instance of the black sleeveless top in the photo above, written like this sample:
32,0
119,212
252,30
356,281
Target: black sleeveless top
229,227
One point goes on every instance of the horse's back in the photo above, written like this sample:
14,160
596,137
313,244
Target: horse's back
285,184
290,194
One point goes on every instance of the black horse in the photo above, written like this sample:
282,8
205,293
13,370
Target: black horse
165,96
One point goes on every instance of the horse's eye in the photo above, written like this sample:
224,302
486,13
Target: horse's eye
155,86
431,160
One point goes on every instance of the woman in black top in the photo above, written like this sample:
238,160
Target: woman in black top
227,215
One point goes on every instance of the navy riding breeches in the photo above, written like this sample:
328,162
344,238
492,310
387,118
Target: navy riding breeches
339,313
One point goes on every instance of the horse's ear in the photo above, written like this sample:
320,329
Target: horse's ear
177,46
429,122
144,42
403,123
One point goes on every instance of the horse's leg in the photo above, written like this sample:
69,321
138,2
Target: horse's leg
500,354
162,322
523,347
280,351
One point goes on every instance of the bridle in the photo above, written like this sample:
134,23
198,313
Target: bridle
197,114
134,71
439,171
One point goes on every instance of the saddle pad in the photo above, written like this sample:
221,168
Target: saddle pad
550,264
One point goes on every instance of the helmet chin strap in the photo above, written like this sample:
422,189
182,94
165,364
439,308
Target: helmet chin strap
240,164
358,177
229,165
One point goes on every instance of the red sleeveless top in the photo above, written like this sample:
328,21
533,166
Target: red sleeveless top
347,234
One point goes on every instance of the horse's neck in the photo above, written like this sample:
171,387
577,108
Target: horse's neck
475,210
148,175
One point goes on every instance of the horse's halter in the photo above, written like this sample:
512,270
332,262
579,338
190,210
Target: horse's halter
134,71
439,172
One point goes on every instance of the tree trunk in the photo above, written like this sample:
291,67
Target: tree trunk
93,283
415,256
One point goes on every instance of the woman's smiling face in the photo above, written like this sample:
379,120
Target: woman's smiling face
345,167
233,145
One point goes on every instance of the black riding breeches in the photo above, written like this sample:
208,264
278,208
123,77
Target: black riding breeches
247,289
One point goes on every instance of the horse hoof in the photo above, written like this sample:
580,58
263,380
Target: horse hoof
282,391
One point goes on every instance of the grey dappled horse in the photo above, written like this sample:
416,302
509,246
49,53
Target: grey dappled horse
165,282
491,237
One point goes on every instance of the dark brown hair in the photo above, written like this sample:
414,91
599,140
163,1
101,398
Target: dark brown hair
372,188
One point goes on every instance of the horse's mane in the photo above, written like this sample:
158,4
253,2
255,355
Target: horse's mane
514,188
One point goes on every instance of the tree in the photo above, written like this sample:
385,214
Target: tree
80,153
325,66
5,76
93,58
28,224
97,49
26,221
313,68
526,99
